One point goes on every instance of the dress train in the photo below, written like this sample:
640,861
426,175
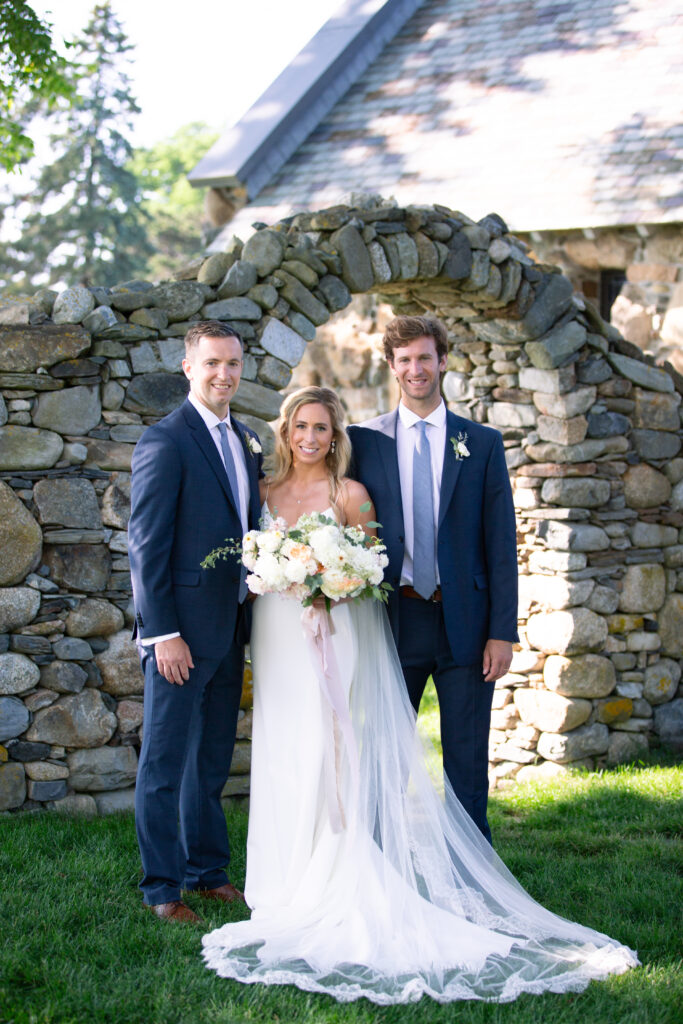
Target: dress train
408,899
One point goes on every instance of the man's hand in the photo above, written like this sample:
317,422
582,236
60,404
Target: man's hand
497,659
174,660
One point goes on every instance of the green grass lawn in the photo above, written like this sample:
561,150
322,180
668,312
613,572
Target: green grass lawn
78,948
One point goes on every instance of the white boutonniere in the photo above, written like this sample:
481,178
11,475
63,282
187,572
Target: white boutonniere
460,446
254,445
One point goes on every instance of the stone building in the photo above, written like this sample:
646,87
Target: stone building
591,428
565,116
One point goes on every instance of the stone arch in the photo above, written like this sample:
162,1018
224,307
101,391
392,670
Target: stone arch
592,432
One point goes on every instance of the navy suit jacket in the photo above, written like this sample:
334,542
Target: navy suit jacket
476,544
182,508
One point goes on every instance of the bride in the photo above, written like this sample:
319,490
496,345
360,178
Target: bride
382,888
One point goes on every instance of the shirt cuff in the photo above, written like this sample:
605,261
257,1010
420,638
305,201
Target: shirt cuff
149,641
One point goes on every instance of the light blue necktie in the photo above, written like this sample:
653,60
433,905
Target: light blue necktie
424,534
231,472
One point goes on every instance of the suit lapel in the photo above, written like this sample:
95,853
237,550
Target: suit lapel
451,465
201,435
251,463
388,457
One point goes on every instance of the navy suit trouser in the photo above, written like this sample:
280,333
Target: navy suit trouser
464,701
187,745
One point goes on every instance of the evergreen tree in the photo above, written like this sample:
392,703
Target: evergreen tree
82,222
173,207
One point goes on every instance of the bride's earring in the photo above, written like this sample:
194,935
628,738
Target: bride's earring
333,447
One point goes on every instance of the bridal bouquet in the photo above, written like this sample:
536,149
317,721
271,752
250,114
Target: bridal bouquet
315,557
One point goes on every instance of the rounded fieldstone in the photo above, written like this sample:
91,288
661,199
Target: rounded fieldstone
63,677
18,607
550,712
46,771
12,786
116,801
640,373
571,631
656,444
27,448
156,394
43,791
257,400
104,768
68,502
624,747
70,648
656,411
21,539
17,673
79,566
94,617
265,250
80,720
282,342
116,502
112,395
101,318
3,412
241,276
643,588
75,453
130,714
76,805
645,487
671,626
586,741
677,496
214,268
578,492
120,666
604,600
14,718
652,535
179,299
668,722
563,536
274,372
661,681
71,411
614,710
22,750
72,305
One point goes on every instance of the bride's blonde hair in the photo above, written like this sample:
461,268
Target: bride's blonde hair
336,461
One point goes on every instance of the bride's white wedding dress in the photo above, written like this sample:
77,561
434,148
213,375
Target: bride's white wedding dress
408,898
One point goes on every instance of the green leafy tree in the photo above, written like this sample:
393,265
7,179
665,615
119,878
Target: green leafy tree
30,69
173,207
81,221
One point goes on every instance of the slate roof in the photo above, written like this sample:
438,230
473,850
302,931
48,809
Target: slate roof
555,114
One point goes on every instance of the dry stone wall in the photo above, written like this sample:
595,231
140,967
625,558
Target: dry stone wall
592,432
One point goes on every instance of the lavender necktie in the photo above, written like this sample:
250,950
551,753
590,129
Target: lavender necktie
424,534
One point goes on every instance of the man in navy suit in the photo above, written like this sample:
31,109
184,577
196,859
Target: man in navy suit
440,487
194,484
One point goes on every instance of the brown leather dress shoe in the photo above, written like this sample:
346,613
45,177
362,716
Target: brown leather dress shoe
176,910
226,893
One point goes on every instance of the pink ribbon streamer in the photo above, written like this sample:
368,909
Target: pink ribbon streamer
318,630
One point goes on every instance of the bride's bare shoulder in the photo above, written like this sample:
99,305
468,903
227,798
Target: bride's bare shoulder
264,486
355,502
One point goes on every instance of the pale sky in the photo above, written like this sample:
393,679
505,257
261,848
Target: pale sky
202,60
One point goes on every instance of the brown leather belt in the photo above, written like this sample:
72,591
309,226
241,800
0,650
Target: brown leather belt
411,592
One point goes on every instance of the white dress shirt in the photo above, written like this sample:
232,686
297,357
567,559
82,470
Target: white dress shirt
212,421
406,436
